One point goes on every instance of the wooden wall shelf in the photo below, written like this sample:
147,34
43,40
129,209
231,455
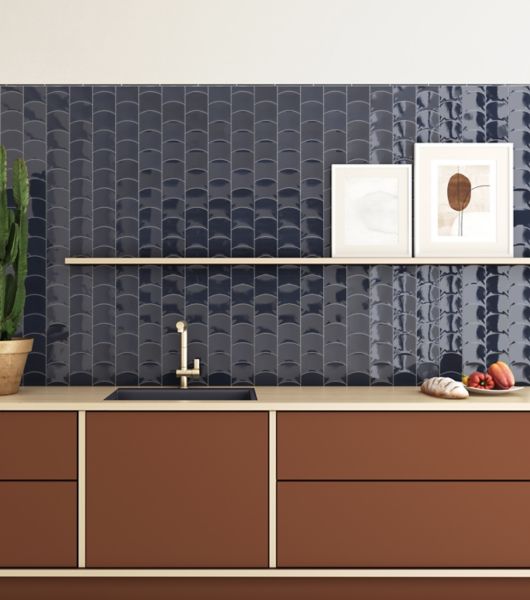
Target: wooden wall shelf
294,261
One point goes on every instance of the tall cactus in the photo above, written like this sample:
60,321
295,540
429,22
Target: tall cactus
13,246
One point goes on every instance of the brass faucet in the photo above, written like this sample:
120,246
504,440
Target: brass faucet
184,372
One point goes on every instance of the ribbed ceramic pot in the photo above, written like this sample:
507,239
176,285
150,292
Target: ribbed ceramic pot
13,356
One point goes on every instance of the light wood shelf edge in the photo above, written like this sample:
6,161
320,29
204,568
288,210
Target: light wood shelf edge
295,261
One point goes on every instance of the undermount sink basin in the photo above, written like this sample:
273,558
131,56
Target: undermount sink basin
193,393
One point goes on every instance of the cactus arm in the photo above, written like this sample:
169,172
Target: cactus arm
4,211
20,264
13,246
20,184
3,333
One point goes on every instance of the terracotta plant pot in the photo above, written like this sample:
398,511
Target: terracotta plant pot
13,356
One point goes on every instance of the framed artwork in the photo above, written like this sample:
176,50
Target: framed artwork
463,200
371,211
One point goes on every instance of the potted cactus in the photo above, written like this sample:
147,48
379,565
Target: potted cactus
13,269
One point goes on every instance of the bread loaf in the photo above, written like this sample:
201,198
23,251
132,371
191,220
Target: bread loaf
444,387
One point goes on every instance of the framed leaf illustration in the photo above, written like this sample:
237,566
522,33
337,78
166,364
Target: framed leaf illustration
463,200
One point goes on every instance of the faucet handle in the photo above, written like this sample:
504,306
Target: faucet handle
196,364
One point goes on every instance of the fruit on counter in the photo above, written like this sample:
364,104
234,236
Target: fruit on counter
465,379
502,375
480,380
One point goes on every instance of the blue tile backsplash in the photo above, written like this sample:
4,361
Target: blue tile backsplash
245,171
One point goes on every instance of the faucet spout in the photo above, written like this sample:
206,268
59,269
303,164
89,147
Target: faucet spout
184,372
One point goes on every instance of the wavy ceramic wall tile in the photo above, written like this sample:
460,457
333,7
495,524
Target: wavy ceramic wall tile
428,114
358,325
381,124
242,325
312,324
519,135
427,321
104,171
219,325
196,206
266,325
150,234
497,313
243,177
289,315
403,123
474,113
58,235
450,315
150,324
35,155
404,325
266,171
289,217
474,317
450,113
104,326
519,322
173,172
358,125
127,187
127,325
150,171
81,228
311,171
245,171
104,234
335,331
334,148
381,325
219,172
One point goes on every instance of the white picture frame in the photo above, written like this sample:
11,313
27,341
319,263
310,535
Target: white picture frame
463,200
371,211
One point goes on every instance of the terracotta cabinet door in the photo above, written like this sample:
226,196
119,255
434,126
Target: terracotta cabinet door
438,524
177,489
38,524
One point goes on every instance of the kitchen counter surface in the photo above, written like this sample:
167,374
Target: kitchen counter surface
269,399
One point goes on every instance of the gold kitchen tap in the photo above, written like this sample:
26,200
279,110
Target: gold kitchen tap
184,372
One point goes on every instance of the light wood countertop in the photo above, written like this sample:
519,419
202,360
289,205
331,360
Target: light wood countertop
376,398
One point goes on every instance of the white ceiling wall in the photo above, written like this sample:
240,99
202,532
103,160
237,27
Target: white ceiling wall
264,41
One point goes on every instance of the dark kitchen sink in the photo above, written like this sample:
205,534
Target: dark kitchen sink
193,393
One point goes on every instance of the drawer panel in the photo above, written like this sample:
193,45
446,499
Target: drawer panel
38,445
403,445
38,524
403,525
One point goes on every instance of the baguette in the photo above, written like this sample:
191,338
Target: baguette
444,387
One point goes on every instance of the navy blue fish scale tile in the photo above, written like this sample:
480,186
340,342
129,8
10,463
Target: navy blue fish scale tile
245,171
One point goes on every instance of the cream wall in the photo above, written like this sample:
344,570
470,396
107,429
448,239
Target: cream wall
264,41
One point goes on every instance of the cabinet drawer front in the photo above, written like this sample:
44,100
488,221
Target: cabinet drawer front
177,489
403,525
38,445
403,445
38,524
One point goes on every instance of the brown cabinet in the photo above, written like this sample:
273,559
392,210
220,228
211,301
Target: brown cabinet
177,489
403,445
38,489
38,445
403,524
38,524
403,489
